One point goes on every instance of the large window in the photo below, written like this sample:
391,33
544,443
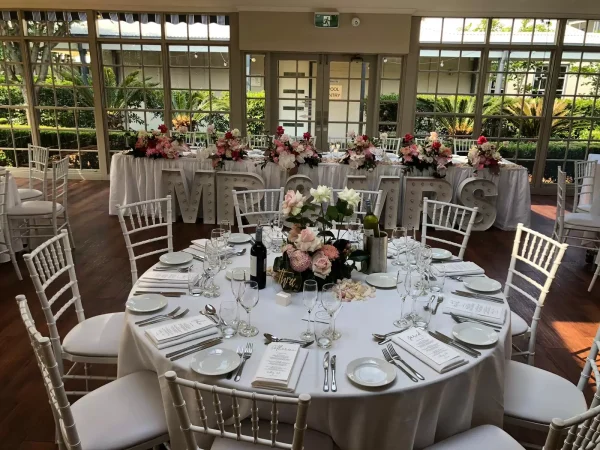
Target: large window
256,107
389,96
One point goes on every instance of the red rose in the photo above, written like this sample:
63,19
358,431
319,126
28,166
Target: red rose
235,154
436,144
280,130
481,140
408,137
365,137
229,135
163,128
306,136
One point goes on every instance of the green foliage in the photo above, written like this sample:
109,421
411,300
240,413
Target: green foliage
255,111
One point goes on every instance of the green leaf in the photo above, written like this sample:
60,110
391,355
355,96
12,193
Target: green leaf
293,219
358,258
324,221
332,212
342,207
326,233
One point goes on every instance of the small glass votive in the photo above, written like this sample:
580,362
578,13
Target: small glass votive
322,331
437,277
194,284
228,315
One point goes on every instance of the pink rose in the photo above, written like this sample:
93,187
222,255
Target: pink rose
294,233
300,261
330,251
321,266
293,203
307,241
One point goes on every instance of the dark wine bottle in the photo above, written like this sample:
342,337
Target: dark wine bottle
370,222
258,260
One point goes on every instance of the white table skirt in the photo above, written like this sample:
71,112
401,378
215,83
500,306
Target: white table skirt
403,416
12,199
138,179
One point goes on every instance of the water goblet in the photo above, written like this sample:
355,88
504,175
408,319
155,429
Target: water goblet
331,302
322,327
437,277
228,312
309,299
249,300
211,266
226,225
399,238
238,285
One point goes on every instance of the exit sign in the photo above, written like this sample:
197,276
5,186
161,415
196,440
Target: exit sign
327,20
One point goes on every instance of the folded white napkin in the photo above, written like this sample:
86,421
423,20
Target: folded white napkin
437,355
166,276
460,268
210,334
199,244
475,309
170,333
278,385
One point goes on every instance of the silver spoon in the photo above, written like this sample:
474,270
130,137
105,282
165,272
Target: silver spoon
431,300
272,338
211,310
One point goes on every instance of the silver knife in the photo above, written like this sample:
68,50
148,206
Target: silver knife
326,367
461,319
446,262
478,296
192,347
464,348
189,352
333,383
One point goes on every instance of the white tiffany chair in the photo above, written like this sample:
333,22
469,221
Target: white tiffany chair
391,145
35,214
259,141
143,219
38,166
360,211
301,138
92,341
335,143
257,206
585,172
532,250
193,138
462,146
5,234
298,436
447,217
124,414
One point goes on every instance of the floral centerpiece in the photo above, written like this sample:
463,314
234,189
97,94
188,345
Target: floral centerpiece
361,152
289,154
312,250
433,155
227,148
485,155
157,144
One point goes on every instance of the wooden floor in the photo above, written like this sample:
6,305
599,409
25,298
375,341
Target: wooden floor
569,322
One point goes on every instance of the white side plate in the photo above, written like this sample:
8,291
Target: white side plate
381,280
440,254
246,271
474,334
215,361
482,284
371,372
175,258
239,238
146,303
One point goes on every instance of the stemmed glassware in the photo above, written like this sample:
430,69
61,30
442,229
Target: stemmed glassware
228,312
309,299
249,300
417,292
211,266
399,241
219,241
226,226
331,301
238,285
403,290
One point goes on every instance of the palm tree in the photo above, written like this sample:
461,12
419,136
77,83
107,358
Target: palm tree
462,125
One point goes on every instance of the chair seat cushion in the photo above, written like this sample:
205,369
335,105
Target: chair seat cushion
33,208
585,207
518,326
486,437
539,396
582,219
313,440
27,194
121,414
97,336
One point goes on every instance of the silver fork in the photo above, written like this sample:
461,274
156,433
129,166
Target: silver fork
160,316
395,355
240,352
246,357
172,269
178,316
391,360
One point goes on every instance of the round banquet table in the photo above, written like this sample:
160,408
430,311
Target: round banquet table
12,199
401,416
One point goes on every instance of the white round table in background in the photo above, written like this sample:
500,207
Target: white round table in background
402,416
12,199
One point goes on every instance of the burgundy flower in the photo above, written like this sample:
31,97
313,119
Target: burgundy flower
163,128
229,135
365,137
306,136
436,144
280,130
481,140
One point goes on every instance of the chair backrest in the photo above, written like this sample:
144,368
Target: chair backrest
260,141
360,211
583,431
175,383
337,143
4,177
51,376
448,217
257,206
60,183
391,145
543,254
193,138
462,146
143,217
585,172
46,264
561,192
38,166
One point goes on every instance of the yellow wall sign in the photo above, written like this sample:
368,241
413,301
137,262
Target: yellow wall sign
335,91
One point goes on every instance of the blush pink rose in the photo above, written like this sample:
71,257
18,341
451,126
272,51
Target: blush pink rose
321,266
307,241
330,251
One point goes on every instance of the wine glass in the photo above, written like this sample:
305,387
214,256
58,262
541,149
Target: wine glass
249,300
238,285
403,290
399,240
417,292
217,238
309,299
211,266
331,301
226,225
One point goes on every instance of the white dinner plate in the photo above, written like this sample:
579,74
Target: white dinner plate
474,333
146,303
239,238
381,280
175,258
178,266
370,372
246,270
482,284
215,361
440,254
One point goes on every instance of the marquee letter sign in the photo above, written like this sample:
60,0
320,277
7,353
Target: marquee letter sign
188,198
301,183
415,188
390,186
228,181
473,192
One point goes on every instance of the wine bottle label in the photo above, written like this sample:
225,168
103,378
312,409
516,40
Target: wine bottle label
369,232
253,266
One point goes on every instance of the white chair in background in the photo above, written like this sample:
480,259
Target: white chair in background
257,206
360,211
391,145
259,141
337,143
127,413
145,218
38,167
92,341
486,437
585,172
544,255
234,438
462,146
448,217
301,138
34,214
5,234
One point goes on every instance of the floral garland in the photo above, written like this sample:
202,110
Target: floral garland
361,152
157,144
288,154
485,155
227,148
433,155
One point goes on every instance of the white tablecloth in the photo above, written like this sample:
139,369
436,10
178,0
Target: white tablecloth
403,416
12,199
137,179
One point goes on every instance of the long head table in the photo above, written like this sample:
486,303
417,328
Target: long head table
137,179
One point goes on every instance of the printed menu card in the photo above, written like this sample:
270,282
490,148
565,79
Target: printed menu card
178,331
280,367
